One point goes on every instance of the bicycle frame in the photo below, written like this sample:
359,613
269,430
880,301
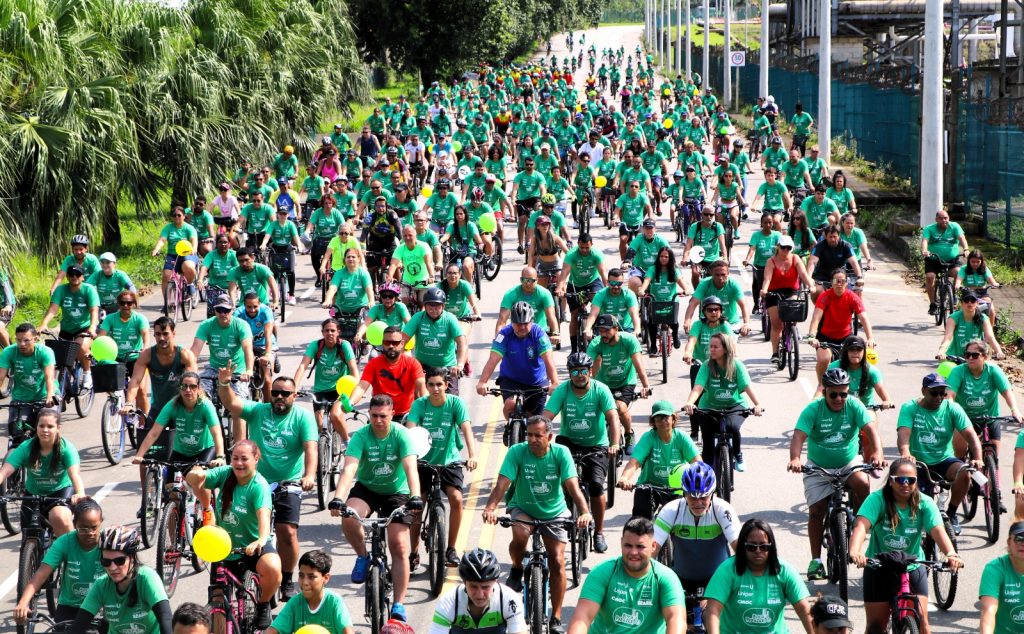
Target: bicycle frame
376,536
221,603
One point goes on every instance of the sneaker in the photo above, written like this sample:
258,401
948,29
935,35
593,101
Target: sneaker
466,370
414,562
451,557
398,612
627,447
555,626
287,590
263,619
600,543
932,308
775,359
757,311
87,381
521,249
675,342
360,569
740,465
815,570
291,300
736,233
319,283
515,579
954,521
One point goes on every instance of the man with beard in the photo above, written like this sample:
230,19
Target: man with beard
393,373
286,436
617,364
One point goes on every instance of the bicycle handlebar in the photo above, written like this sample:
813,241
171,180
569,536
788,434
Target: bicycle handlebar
507,521
841,474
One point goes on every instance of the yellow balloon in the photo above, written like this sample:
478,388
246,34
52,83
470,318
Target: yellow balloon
871,356
411,343
183,248
600,181
579,108
312,628
212,543
346,384
668,123
427,191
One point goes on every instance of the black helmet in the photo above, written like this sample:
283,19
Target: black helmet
433,295
479,565
579,360
444,182
711,300
521,313
834,377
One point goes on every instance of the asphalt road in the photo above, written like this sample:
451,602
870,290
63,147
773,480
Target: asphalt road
906,339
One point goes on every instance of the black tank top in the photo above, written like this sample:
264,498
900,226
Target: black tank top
164,379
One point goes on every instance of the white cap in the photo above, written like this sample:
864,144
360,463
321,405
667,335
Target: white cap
770,99
108,257
786,241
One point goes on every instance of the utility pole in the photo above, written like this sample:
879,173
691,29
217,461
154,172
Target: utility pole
726,66
825,80
931,113
762,83
679,36
707,45
689,42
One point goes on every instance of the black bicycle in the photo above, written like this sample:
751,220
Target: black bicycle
535,572
379,586
665,554
792,313
36,538
988,493
725,459
515,426
434,527
13,487
944,580
945,296
581,540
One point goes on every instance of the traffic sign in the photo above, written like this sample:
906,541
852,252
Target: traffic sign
737,58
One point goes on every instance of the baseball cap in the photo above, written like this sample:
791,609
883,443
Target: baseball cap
1017,528
831,611
75,270
108,257
607,321
543,220
934,380
662,408
225,302
490,178
648,222
786,241
968,296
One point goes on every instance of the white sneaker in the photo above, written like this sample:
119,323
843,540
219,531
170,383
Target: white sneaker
291,300
87,381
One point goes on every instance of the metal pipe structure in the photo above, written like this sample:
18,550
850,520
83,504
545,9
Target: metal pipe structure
707,44
762,80
825,81
679,36
931,114
689,42
726,50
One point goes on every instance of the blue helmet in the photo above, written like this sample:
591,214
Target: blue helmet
698,479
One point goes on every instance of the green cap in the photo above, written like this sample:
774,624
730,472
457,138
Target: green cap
662,408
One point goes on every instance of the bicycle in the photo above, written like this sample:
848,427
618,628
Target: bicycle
515,426
280,264
379,587
115,428
178,295
839,520
665,554
489,265
224,416
330,449
904,615
154,476
178,523
581,540
944,582
945,296
989,492
70,373
237,614
348,326
663,315
39,623
725,460
535,572
792,313
434,527
36,538
14,486
686,213
583,297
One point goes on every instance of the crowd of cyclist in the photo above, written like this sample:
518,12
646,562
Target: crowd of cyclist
401,224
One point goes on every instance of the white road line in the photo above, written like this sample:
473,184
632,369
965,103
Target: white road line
808,388
105,491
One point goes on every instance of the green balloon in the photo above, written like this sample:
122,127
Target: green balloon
487,223
104,349
457,146
723,130
675,477
945,368
375,333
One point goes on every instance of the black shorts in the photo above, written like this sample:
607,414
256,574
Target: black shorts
825,339
382,505
592,288
931,265
625,231
28,508
524,207
204,455
880,585
694,587
71,335
287,506
593,468
625,394
240,566
927,479
451,476
533,402
771,301
645,502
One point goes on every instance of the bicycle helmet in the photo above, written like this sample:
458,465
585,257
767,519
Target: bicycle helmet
697,479
521,313
392,150
834,377
444,182
479,565
433,295
478,194
579,360
388,287
547,199
711,300
79,239
121,538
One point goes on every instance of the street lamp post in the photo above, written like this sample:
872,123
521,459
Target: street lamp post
931,113
762,83
726,66
689,42
707,44
825,80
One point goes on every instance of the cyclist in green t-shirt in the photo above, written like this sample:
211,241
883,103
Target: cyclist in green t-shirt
1001,600
29,366
330,358
942,243
79,306
187,263
315,606
130,330
109,282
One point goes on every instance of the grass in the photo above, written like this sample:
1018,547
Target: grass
844,152
746,36
406,85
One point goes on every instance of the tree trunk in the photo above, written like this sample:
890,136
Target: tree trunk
111,228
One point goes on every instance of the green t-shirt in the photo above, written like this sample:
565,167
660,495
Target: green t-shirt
45,478
201,221
646,250
557,220
540,299
173,235
764,246
442,210
658,458
802,123
663,289
219,267
720,392
81,568
583,417
444,423
128,335
793,173
414,269
121,617
380,459
816,167
855,238
240,521
841,199
90,264
707,239
818,213
398,315
774,158
906,536
628,604
225,342
979,396
617,369
465,239
108,288
755,603
255,281
281,439
1001,582
537,482
700,330
26,372
832,437
456,300
281,235
332,365
632,208
314,187
529,184
257,217
973,279
931,431
731,295
435,339
326,225
965,330
773,195
475,211
617,305
583,268
353,289
943,243
874,377
331,614
192,429
75,306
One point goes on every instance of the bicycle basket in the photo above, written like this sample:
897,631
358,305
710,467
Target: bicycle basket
109,377
794,310
64,352
664,313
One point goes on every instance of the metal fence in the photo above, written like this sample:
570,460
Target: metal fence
990,177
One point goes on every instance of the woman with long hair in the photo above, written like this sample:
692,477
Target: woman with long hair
762,248
865,378
783,273
496,163
896,516
755,581
546,248
841,195
129,328
803,237
967,324
976,275
665,280
464,239
1000,585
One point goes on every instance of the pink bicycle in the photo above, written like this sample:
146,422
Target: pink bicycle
904,615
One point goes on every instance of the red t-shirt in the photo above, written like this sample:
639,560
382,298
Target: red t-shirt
835,323
397,381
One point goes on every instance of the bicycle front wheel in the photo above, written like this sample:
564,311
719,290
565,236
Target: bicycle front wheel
10,512
149,514
323,470
187,304
991,494
29,558
908,625
437,546
613,479
723,470
375,600
944,581
665,343
839,553
84,399
793,353
112,432
169,547
536,610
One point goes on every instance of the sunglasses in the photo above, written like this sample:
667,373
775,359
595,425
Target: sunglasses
938,393
130,303
113,561
707,215
1018,539
753,548
616,284
787,248
904,480
838,395
578,372
222,311
972,355
393,344
189,386
527,280
284,393
344,233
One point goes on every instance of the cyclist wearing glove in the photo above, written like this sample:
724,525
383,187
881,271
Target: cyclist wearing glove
243,510
286,436
631,593
480,603
380,475
832,426
79,306
543,474
314,605
659,451
580,402
30,366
